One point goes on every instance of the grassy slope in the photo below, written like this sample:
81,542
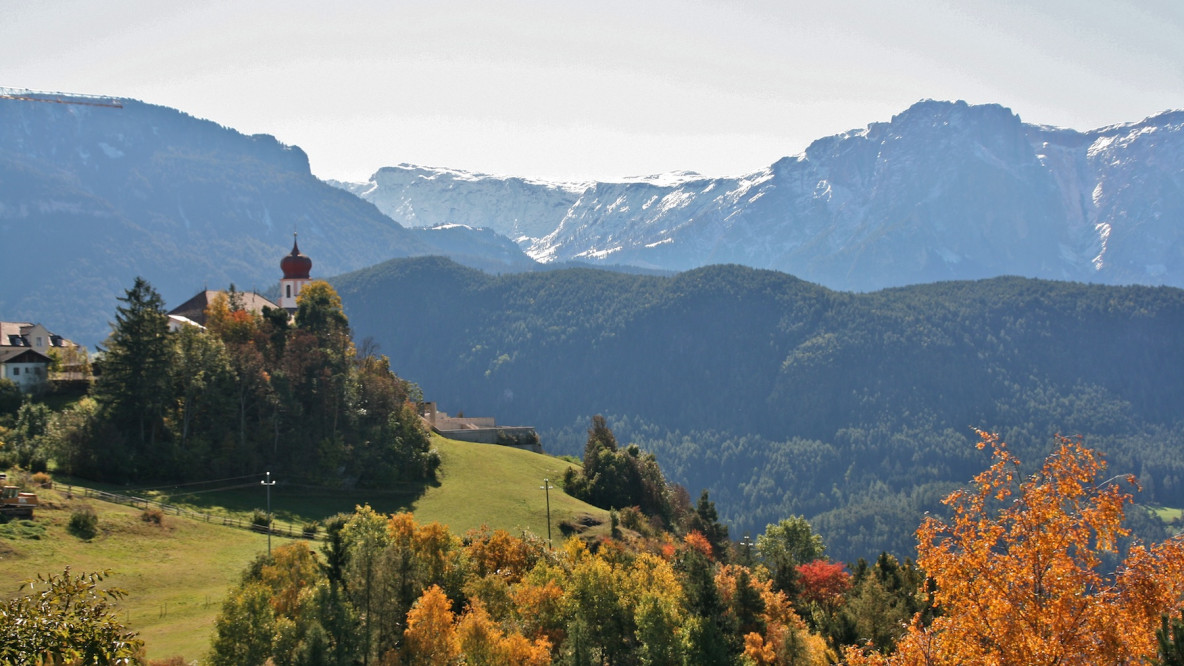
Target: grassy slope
177,577
499,487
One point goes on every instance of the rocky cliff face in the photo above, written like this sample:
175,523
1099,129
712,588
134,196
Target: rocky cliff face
944,190
519,208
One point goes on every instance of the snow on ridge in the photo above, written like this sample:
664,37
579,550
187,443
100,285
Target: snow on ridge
432,173
665,179
1099,146
448,225
599,254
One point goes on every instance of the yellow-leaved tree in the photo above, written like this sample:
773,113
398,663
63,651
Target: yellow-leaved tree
430,637
1018,571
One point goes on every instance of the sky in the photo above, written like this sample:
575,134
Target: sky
604,89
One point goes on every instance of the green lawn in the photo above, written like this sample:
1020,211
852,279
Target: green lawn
1166,514
177,577
498,487
478,484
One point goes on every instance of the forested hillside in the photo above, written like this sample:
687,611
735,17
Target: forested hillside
783,397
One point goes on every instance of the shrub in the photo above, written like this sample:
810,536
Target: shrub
310,529
632,518
153,515
42,480
84,522
260,520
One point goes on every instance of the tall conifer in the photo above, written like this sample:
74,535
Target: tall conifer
133,386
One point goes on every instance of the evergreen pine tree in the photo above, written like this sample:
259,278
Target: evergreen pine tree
133,386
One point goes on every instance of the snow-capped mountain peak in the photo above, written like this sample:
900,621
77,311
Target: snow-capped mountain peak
943,190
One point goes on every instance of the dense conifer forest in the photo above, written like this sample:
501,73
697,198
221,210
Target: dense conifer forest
785,398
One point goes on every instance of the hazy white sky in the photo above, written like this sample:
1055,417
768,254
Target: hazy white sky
595,89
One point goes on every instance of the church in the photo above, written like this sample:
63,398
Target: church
296,268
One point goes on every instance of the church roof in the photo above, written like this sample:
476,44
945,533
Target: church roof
195,308
296,266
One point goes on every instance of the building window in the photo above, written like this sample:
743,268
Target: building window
38,341
289,288
16,372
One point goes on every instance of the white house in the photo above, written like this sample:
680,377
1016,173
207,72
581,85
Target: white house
31,336
27,368
21,336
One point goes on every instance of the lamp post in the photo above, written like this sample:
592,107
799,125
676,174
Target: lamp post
546,487
747,545
268,483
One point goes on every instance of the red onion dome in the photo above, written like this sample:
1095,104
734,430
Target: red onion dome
295,266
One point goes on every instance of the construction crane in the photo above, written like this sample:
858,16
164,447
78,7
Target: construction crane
25,95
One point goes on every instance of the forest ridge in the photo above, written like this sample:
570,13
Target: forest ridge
784,397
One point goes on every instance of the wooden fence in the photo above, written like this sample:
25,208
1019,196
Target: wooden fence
279,529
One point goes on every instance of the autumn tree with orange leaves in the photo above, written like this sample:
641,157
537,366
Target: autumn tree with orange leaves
1018,571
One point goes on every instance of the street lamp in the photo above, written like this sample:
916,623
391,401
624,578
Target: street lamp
546,487
747,545
268,483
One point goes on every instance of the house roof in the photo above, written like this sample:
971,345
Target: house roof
22,355
15,334
195,308
10,330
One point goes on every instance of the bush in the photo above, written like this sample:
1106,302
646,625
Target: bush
42,480
261,520
632,518
18,477
84,522
153,515
10,397
310,529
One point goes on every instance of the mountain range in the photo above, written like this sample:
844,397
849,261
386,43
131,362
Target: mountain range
766,380
91,197
944,190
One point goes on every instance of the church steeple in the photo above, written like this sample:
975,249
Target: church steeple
296,267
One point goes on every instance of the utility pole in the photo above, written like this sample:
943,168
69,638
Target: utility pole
546,487
268,483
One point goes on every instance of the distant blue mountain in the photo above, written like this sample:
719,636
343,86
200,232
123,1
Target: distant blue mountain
90,197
